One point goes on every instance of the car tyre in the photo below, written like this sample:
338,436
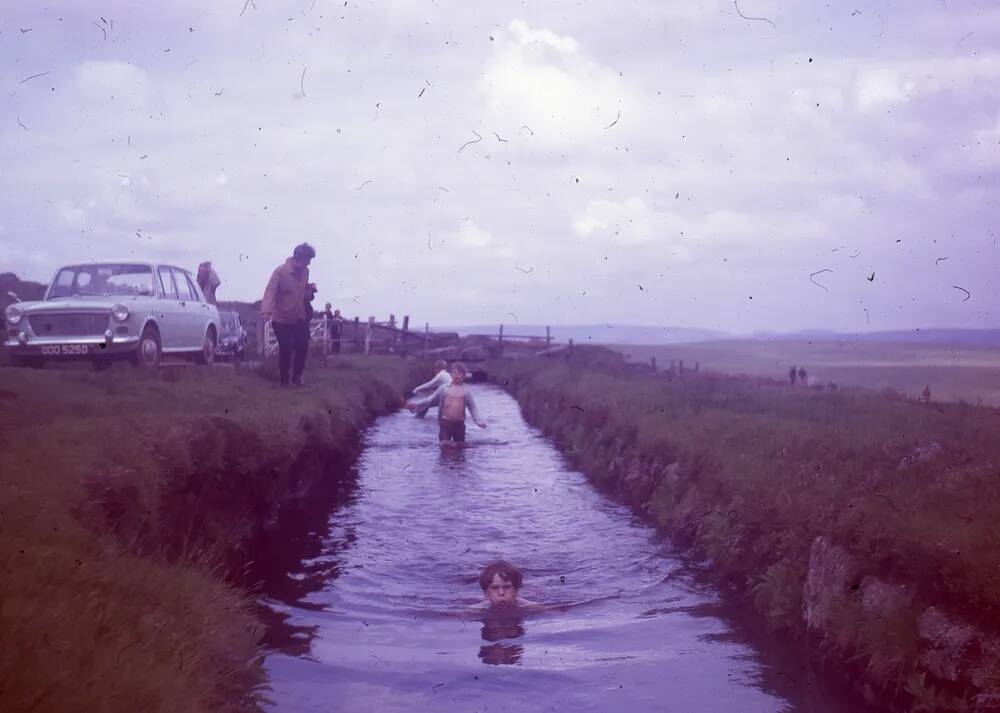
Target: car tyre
149,351
206,357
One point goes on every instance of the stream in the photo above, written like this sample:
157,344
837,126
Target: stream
367,610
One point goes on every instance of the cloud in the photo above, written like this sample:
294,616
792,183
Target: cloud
542,80
471,235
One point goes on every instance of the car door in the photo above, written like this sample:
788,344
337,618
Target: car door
199,311
190,312
169,313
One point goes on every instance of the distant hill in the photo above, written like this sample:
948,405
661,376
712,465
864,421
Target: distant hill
933,335
602,333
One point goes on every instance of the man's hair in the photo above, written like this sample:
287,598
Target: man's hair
507,572
304,251
459,366
439,365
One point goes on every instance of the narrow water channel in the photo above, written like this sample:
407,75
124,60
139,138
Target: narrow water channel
366,620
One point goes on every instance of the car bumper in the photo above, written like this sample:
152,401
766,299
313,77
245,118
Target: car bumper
72,347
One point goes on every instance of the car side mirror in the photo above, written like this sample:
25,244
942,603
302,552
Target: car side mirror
14,295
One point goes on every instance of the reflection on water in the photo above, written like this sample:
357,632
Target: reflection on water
500,630
367,598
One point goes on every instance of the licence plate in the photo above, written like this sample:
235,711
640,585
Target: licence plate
67,349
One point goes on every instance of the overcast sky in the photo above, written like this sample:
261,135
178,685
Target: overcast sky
663,162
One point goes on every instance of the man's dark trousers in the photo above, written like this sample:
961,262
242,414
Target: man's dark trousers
292,338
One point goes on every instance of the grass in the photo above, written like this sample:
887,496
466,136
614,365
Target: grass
126,503
751,472
953,373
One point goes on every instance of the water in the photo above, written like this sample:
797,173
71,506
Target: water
365,615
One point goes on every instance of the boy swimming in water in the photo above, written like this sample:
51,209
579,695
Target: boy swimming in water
441,378
501,581
452,401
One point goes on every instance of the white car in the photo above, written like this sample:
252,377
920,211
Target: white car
105,311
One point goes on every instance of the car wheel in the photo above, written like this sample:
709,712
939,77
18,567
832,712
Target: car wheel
206,357
149,352
101,364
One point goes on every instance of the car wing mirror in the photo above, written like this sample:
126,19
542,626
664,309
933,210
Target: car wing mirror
14,295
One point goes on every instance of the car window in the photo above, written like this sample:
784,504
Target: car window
167,281
195,292
183,288
102,280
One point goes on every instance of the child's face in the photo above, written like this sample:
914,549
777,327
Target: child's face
457,376
501,593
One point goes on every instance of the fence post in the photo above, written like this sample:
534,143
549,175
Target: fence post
696,365
571,347
500,341
652,363
681,367
368,336
406,331
548,337
261,336
427,337
357,333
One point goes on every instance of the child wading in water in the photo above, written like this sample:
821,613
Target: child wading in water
442,377
452,401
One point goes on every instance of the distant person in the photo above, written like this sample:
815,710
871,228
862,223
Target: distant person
334,327
452,401
208,281
284,305
803,377
791,375
926,395
441,378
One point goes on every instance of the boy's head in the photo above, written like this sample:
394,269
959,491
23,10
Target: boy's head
458,372
500,582
440,365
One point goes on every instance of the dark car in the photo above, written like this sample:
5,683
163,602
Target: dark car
232,336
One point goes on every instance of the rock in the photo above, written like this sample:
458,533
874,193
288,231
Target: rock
833,578
921,454
883,598
948,646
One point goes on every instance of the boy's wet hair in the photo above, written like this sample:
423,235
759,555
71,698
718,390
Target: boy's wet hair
507,572
460,367
304,251
439,365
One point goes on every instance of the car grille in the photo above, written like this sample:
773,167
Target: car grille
68,324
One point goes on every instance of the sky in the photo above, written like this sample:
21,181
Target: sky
740,166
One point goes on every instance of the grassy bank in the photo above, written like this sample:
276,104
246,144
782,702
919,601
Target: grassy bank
126,504
849,516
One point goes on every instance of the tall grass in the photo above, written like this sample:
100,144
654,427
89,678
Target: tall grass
125,504
752,471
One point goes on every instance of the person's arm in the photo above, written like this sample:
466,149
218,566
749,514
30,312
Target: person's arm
270,292
432,400
431,385
470,403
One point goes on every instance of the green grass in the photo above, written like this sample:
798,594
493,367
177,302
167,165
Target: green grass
760,470
124,499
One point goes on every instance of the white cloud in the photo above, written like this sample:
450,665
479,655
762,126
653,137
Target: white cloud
471,235
541,79
882,86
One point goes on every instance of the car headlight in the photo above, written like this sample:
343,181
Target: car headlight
13,315
120,313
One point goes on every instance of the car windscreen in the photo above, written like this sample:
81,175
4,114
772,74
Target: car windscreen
103,280
227,320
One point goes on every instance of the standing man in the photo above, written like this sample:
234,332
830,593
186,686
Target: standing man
284,306
208,281
336,326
